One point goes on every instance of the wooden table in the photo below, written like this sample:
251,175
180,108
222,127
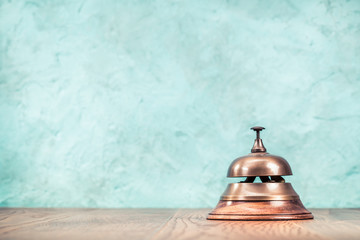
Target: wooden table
42,223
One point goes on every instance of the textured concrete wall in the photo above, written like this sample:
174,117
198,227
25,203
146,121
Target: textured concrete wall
146,103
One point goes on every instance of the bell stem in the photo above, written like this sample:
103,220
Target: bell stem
258,145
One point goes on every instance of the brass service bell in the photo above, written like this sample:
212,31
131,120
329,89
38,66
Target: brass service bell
273,199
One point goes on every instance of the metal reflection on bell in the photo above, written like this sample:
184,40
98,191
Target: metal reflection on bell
273,199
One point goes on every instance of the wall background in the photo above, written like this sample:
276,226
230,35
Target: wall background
146,103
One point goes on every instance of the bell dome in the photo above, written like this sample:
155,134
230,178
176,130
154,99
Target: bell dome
259,164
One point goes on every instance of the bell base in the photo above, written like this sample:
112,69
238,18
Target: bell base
260,210
260,217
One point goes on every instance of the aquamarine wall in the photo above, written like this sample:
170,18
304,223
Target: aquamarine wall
146,103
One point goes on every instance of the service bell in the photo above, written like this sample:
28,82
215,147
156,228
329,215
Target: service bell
273,199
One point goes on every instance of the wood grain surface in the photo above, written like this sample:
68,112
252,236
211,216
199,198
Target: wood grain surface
40,223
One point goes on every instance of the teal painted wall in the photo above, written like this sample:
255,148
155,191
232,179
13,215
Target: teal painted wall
146,103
